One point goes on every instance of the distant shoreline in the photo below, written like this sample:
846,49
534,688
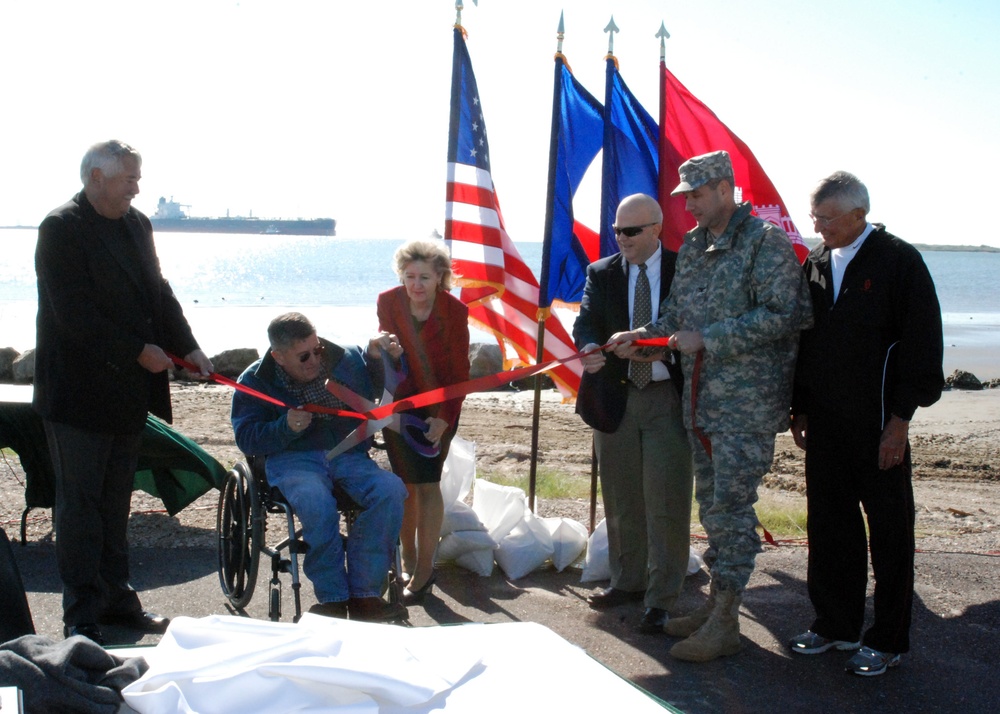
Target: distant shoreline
811,242
957,248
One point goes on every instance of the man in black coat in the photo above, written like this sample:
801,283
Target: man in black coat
635,410
106,318
873,357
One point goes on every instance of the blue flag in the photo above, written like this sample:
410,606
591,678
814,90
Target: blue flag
631,153
577,135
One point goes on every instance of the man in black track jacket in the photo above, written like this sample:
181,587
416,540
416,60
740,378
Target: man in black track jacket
873,357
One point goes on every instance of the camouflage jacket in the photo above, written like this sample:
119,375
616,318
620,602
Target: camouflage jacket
747,295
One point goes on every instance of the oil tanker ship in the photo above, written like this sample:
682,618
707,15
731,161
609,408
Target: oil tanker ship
170,217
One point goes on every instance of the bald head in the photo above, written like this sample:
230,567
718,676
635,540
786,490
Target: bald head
637,227
639,204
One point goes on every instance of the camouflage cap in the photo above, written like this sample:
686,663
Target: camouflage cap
699,170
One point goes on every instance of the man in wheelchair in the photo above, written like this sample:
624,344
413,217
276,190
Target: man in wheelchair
295,444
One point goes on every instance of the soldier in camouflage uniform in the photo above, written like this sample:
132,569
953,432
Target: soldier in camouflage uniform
735,309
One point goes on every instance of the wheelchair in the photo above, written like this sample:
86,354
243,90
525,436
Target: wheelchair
245,502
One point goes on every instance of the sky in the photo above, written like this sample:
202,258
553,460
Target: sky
324,108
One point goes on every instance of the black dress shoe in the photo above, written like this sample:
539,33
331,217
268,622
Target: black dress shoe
138,620
612,597
375,609
86,629
653,620
330,609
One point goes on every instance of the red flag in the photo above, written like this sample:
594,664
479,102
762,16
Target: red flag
689,128
497,285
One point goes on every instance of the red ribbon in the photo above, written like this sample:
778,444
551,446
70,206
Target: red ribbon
434,396
221,379
480,384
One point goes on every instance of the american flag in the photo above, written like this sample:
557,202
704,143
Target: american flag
499,288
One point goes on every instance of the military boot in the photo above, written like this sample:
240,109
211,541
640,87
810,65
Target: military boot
719,636
689,624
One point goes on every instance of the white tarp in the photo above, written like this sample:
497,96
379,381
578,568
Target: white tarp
232,664
228,664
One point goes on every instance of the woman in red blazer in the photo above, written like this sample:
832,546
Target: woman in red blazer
432,327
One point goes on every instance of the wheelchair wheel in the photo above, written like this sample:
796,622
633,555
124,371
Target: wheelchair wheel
240,532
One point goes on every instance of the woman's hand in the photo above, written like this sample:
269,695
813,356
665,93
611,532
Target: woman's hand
385,341
436,429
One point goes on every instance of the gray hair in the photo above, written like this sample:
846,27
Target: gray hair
844,188
108,156
287,329
432,252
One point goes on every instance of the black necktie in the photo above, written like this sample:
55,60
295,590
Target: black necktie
642,314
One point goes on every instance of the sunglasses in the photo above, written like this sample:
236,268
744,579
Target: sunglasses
631,231
316,351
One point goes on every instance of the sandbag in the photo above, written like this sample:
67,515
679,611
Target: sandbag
454,545
459,516
569,540
500,508
597,566
479,562
527,547
459,471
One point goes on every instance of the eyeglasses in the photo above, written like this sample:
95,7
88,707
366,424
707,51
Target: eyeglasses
631,231
821,222
316,351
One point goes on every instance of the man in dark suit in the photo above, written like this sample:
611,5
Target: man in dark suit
105,318
634,408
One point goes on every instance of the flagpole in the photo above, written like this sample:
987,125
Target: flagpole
543,285
458,11
608,202
663,178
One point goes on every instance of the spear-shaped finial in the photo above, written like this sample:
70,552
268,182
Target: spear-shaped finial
458,11
560,33
611,29
664,36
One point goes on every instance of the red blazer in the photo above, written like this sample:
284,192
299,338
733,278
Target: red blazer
438,355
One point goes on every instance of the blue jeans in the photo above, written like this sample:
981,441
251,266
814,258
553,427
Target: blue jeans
306,479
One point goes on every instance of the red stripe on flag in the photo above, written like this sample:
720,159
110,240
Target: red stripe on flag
497,303
467,193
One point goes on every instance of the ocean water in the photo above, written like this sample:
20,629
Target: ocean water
231,286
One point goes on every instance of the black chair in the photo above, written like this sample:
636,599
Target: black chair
15,615
245,501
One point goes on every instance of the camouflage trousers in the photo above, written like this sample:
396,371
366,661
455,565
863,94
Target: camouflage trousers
725,487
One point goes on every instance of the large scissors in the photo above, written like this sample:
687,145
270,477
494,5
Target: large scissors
409,426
